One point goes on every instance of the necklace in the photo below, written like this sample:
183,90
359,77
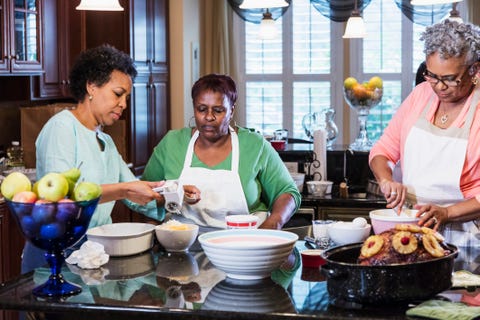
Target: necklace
444,118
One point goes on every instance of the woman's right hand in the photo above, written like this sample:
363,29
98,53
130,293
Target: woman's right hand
394,192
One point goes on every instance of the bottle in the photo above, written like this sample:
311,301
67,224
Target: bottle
15,156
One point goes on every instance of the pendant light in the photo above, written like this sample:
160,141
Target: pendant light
260,4
268,30
355,25
454,14
431,2
100,5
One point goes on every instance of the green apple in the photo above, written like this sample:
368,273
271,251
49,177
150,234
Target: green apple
72,175
52,187
14,183
85,191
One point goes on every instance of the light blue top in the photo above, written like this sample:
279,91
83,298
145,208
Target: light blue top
64,143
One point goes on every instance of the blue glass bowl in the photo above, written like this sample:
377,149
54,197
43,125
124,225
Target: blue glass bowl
54,227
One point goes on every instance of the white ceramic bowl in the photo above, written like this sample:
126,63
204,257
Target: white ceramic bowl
176,237
319,188
123,239
242,221
385,219
247,253
342,232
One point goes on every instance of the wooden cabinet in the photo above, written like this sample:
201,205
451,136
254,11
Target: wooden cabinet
141,30
11,245
148,46
21,36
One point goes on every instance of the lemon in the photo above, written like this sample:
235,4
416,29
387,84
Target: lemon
375,82
349,83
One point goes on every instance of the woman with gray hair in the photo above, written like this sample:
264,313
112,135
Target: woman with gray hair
434,134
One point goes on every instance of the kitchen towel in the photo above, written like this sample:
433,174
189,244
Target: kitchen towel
444,310
319,165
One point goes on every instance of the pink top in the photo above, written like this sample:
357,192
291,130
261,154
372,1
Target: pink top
392,142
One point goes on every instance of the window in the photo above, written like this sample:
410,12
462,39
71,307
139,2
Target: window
302,71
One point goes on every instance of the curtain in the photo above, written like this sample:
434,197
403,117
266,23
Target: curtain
256,15
217,53
338,10
423,15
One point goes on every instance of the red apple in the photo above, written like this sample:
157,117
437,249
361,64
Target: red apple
25,197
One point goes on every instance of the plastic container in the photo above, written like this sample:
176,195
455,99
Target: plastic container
15,156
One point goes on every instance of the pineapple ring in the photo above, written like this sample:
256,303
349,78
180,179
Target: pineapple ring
408,227
404,242
371,246
432,246
437,235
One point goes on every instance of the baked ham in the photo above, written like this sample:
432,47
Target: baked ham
402,245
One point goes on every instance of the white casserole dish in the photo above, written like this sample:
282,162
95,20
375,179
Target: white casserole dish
123,239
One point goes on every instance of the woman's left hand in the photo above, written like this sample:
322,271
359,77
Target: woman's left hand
141,191
431,215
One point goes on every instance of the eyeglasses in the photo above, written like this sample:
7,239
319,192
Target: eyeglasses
448,81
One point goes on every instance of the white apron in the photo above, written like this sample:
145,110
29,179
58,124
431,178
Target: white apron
221,190
432,168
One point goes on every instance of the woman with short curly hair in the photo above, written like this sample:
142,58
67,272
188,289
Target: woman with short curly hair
101,82
435,135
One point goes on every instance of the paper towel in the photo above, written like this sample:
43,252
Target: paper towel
319,165
91,255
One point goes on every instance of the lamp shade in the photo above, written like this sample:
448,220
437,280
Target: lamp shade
355,27
100,5
261,4
268,30
431,2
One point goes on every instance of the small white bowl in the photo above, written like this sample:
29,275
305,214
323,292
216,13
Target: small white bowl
385,219
242,221
176,237
123,239
342,232
319,188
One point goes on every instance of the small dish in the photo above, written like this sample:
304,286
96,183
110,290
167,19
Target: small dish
312,258
175,236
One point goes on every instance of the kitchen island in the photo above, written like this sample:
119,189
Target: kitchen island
161,285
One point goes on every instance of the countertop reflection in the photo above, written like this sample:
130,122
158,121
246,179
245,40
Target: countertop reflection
166,285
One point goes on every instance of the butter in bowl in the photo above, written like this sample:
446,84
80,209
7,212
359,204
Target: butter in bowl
175,236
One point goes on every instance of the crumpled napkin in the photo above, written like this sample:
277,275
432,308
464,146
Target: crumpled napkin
444,310
91,255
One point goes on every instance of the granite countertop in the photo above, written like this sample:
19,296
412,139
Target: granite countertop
141,286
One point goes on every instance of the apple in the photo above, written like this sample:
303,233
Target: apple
25,197
43,211
66,210
85,191
52,187
52,231
14,183
29,226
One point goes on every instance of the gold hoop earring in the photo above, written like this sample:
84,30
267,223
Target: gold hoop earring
475,81
191,124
